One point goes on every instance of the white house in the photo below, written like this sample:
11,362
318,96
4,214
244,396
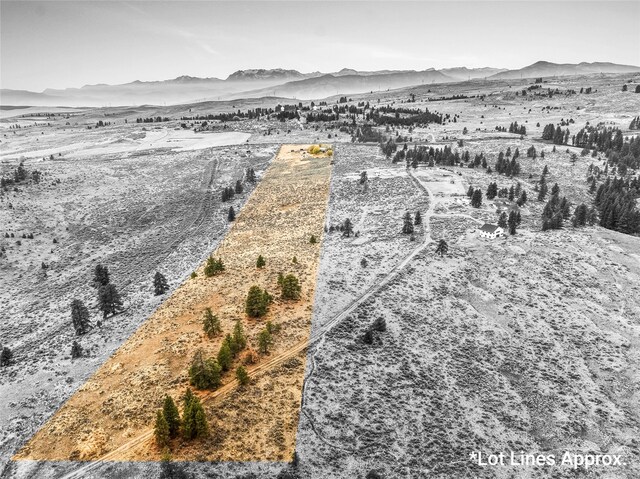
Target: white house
490,231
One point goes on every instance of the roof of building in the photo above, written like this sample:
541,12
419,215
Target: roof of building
489,228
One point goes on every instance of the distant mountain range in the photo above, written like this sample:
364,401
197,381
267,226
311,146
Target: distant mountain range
279,82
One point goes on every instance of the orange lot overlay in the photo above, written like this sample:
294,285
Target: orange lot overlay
111,416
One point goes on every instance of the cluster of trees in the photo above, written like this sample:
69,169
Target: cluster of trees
157,119
109,299
507,167
616,201
169,425
517,129
584,215
250,175
556,210
19,174
346,227
476,196
511,222
514,193
556,135
213,267
388,115
635,123
621,152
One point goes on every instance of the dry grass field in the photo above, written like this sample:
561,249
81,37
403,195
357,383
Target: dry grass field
118,403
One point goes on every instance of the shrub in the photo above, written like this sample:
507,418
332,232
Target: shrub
213,267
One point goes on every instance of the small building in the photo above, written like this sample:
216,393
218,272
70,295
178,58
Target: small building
490,231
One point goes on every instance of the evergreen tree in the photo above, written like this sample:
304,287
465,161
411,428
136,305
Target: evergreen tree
224,356
502,220
232,214
492,191
257,302
79,317
239,188
542,189
171,416
290,288
161,430
101,276
476,199
470,191
513,222
76,350
407,227
443,248
109,300
239,338
194,421
580,215
251,175
204,373
6,356
260,263
160,284
242,376
347,228
213,267
211,324
313,239
417,218
264,341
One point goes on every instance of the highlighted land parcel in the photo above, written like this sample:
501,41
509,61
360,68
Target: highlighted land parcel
111,416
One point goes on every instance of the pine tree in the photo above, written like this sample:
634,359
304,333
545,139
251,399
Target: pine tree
443,248
6,356
417,219
407,227
260,262
476,199
502,220
470,191
76,350
161,430
232,214
290,288
239,338
347,228
313,239
239,188
101,276
264,341
224,356
79,317
211,324
257,302
109,300
513,222
213,267
251,175
160,284
171,416
202,427
204,373
242,376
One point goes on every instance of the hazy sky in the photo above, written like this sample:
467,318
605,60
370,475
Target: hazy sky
57,44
